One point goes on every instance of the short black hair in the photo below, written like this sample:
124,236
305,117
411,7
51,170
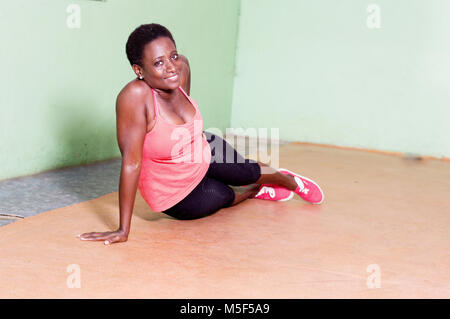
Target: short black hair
140,37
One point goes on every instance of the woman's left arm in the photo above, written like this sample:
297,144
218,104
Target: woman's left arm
185,75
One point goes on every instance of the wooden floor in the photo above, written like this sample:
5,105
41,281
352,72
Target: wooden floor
385,223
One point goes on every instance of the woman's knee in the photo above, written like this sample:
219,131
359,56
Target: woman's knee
208,197
252,171
244,173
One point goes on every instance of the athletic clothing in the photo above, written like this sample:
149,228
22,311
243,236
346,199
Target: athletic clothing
175,158
227,167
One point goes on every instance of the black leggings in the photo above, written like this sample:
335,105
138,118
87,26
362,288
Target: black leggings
227,167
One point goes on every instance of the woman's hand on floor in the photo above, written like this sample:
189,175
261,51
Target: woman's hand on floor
109,237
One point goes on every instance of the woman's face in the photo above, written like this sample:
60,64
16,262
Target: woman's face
161,64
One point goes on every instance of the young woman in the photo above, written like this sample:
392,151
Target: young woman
153,112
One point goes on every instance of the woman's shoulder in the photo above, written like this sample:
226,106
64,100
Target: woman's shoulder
135,89
137,95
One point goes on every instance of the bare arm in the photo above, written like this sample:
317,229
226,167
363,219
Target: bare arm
131,130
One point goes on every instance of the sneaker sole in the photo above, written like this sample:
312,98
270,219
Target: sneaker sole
309,180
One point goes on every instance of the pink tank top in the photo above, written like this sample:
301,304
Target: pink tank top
175,158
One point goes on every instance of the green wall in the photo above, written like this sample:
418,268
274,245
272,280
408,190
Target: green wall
59,85
309,67
315,70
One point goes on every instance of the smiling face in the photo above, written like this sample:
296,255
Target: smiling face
161,64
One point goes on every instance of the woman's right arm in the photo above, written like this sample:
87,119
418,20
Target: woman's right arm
131,130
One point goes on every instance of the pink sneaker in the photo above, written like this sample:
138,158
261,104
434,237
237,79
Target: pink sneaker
307,189
274,192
